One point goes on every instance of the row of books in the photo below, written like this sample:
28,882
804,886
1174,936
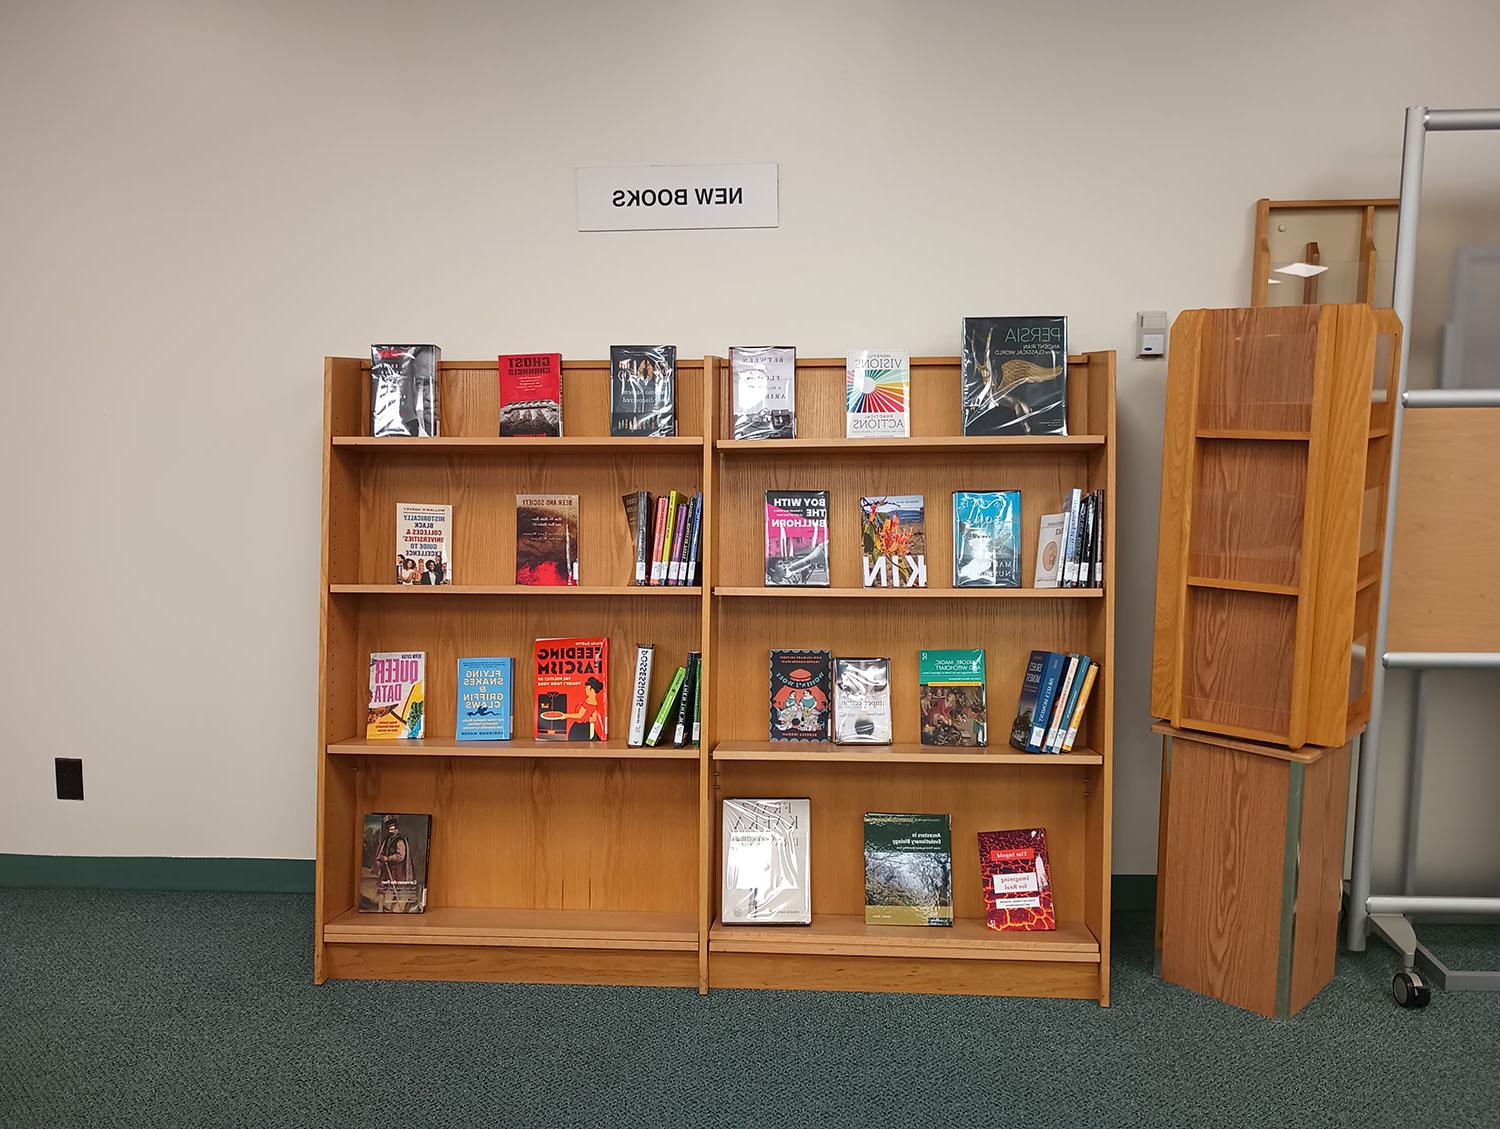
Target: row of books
667,530
1013,382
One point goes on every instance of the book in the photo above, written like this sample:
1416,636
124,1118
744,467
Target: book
683,729
485,699
797,538
893,541
570,682
393,863
1014,376
1013,872
668,529
767,867
424,543
638,513
1049,551
1055,717
642,390
397,695
698,706
763,399
862,701
1073,512
664,710
695,539
531,394
1058,734
404,390
1083,700
547,539
877,395
987,539
950,688
799,695
640,693
679,533
908,869
657,568
1097,580
1026,706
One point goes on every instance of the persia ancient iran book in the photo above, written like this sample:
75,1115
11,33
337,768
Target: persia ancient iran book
424,543
908,869
1015,376
393,863
642,390
397,698
877,395
893,541
767,871
951,694
797,538
531,394
862,701
547,539
987,539
404,390
485,699
800,695
1014,876
763,379
570,681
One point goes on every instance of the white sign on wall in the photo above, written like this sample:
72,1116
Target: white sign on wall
662,197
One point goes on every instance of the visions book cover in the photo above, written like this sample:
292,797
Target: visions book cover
531,394
547,539
1017,886
908,869
797,538
486,699
393,863
643,390
397,701
570,681
894,541
1015,376
877,395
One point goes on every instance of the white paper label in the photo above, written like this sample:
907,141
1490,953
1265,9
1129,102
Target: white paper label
665,197
1023,883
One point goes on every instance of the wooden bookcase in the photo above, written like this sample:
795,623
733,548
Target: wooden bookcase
555,862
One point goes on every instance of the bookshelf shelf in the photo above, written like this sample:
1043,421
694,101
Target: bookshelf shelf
563,750
913,593
923,444
894,754
421,591
572,445
848,935
1242,585
533,928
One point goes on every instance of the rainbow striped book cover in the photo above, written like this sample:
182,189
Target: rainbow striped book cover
877,395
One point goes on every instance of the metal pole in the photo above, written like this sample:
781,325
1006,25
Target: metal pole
1414,783
1451,121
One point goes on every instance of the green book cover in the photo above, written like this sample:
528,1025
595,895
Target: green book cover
951,693
664,711
908,869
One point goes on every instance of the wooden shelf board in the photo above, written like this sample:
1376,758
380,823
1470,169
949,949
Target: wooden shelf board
918,443
1075,360
420,590
916,593
521,928
1252,433
1243,585
892,754
528,747
848,935
491,444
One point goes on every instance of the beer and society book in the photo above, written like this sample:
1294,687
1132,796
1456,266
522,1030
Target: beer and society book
547,539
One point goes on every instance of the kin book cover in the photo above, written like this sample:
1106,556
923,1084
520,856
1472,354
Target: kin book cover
424,543
393,863
764,398
571,680
800,695
397,705
1017,886
877,395
642,390
987,539
951,693
797,538
547,539
485,700
893,541
908,869
531,394
404,390
1014,376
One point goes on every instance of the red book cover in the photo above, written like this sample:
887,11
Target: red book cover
531,394
1014,874
570,679
658,569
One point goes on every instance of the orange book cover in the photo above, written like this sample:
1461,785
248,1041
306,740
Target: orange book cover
570,679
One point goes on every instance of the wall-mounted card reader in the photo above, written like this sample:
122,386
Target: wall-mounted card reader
1151,333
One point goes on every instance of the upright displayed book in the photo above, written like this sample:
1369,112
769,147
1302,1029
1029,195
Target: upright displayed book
404,390
1013,871
642,390
531,394
952,699
862,701
767,862
424,543
485,702
797,538
547,539
987,539
893,540
570,680
397,695
763,398
800,703
1014,376
640,693
1049,551
908,869
877,395
393,863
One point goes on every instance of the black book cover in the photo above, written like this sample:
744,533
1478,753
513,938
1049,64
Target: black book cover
800,684
1015,376
684,725
404,390
642,390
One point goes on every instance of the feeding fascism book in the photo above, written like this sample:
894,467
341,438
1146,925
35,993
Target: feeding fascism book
1015,376
894,541
547,539
485,699
951,693
642,390
764,383
393,863
531,394
799,695
908,869
767,871
987,539
797,538
1014,875
862,701
404,390
570,678
424,543
397,698
877,395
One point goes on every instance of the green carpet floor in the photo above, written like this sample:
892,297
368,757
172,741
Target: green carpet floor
145,1009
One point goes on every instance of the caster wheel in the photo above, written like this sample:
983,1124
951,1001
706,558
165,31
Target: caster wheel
1410,990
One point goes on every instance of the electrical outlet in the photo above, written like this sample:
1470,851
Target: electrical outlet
69,778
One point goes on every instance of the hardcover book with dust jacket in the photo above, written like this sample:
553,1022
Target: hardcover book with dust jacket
642,390
485,700
893,541
1013,871
1015,376
987,539
908,869
862,701
393,862
800,701
424,543
404,390
397,695
952,699
764,398
767,862
547,539
877,395
570,681
531,394
797,538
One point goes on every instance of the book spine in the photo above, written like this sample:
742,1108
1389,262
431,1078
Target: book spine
1083,700
658,570
640,692
642,535
664,711
684,724
1070,547
1045,695
679,538
667,535
1058,719
1066,703
1099,539
694,548
698,705
1086,553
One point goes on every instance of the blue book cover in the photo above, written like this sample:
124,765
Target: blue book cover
486,699
987,539
1020,729
1058,734
1045,699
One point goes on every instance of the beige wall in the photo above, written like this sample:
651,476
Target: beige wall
200,200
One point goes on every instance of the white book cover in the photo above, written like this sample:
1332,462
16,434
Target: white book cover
764,398
1049,550
640,692
877,395
424,543
767,873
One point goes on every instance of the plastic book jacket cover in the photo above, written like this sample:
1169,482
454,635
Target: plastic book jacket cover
862,701
799,695
908,869
1015,376
393,863
547,539
397,706
877,395
642,390
764,399
486,699
797,538
893,539
531,394
571,681
987,539
951,693
404,390
767,869
1017,886
424,543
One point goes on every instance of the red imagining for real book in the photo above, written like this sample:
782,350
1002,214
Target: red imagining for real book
570,678
1017,886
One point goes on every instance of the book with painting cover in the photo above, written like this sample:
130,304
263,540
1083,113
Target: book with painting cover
1014,874
404,390
877,395
800,701
893,541
767,867
570,680
908,869
1014,376
987,539
393,862
862,701
763,379
642,390
951,693
547,539
797,538
485,699
424,543
531,394
397,707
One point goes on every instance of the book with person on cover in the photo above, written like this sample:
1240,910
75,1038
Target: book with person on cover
800,705
862,701
797,538
764,397
547,539
987,539
1013,871
393,862
1049,551
951,692
894,541
485,699
767,870
1014,376
570,683
424,543
397,695
642,390
404,390
908,869
531,394
877,395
